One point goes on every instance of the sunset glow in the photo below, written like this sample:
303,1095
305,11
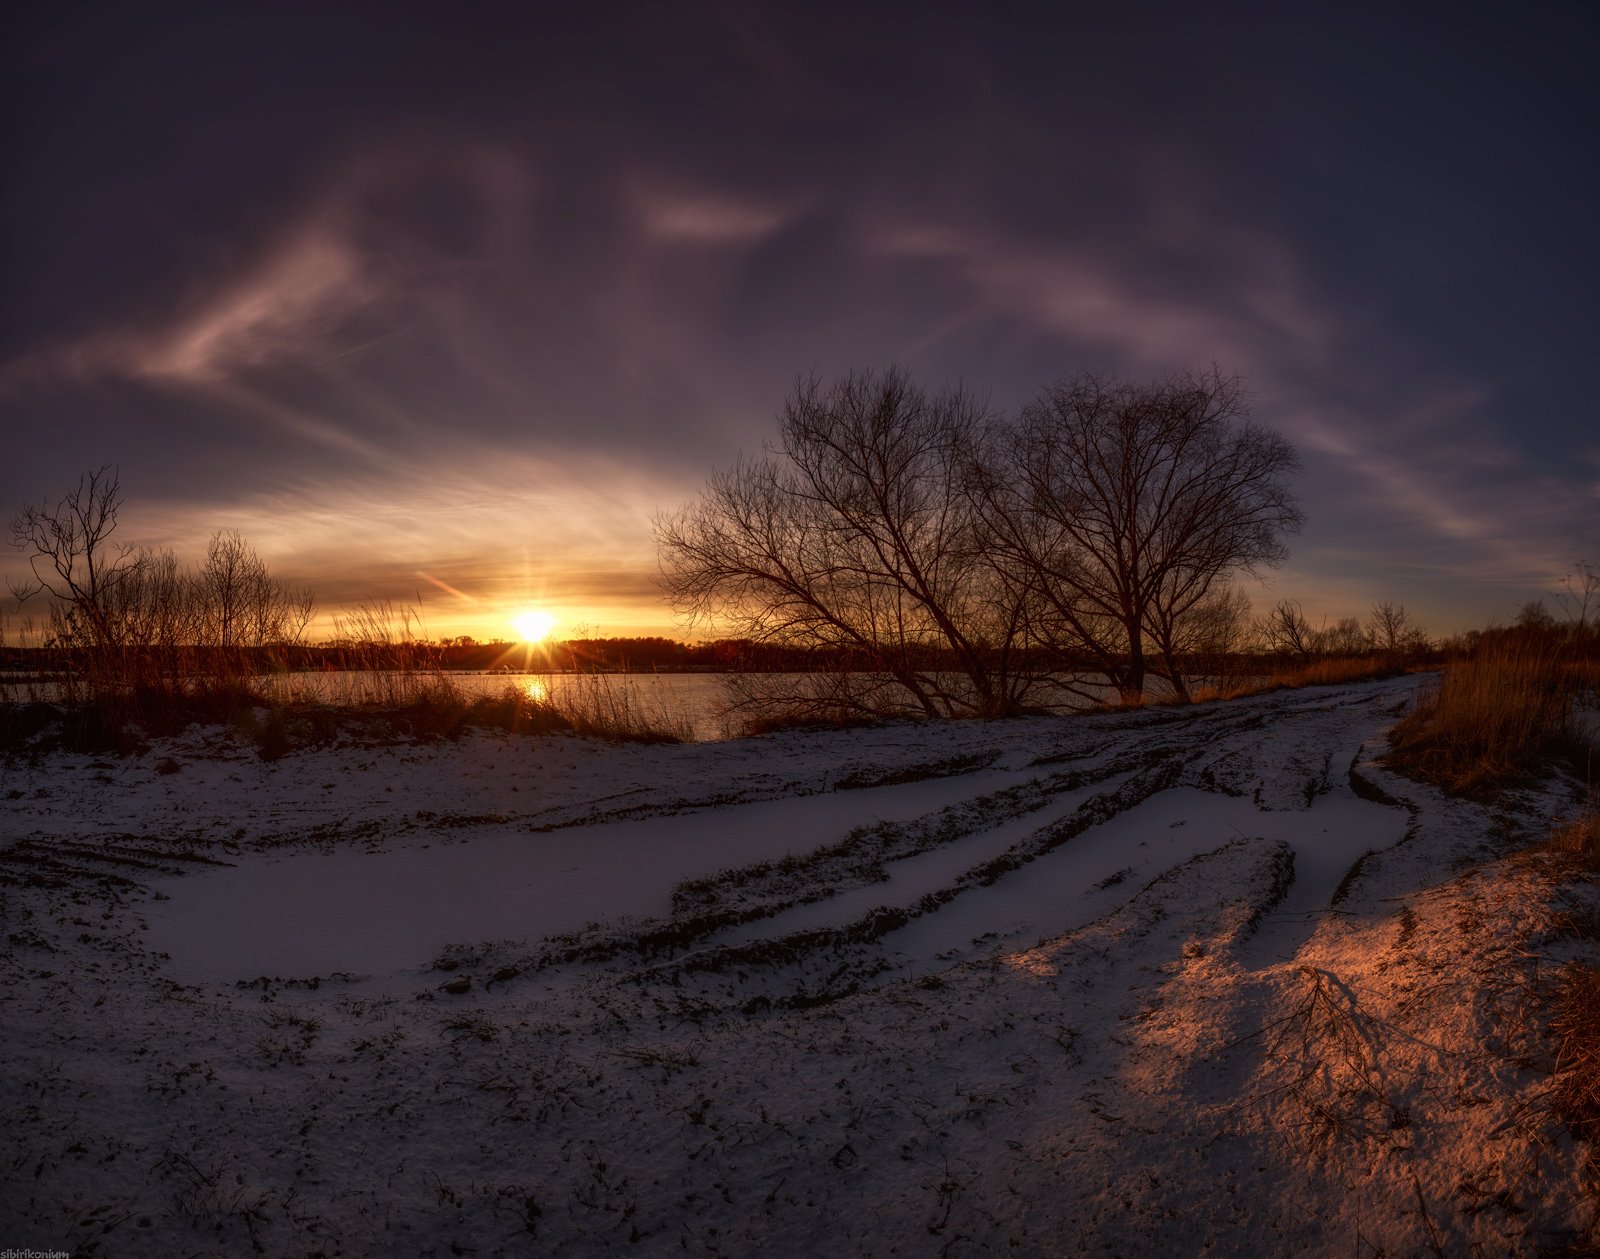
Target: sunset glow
456,351
533,624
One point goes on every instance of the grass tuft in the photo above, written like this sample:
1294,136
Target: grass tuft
1576,1025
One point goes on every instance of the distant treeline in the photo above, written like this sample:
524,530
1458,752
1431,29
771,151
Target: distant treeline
606,655
587,655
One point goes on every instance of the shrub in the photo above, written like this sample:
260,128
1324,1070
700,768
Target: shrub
272,741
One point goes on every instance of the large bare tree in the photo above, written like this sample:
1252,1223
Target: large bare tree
952,551
856,534
1125,505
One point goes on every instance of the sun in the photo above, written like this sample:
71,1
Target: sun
533,624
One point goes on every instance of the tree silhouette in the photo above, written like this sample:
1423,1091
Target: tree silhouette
1125,505
857,535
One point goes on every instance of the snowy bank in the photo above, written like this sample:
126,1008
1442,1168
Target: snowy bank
1179,980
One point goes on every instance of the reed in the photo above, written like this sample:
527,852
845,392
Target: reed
617,707
1494,719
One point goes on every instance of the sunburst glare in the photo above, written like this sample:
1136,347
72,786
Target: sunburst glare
533,624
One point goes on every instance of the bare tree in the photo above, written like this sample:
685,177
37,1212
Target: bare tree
1209,638
1533,615
857,535
231,583
941,547
1286,631
153,608
134,613
1390,629
73,558
1344,637
1123,505
1579,595
240,606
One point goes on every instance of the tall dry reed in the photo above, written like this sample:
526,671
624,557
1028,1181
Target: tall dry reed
617,707
1493,720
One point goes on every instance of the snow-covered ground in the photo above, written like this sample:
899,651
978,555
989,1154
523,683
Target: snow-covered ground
1169,981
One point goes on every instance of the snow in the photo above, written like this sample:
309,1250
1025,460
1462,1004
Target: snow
364,911
1146,841
1171,981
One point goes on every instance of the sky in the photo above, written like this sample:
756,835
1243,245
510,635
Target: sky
442,304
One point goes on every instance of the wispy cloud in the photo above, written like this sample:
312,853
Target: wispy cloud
674,213
1415,459
290,304
1440,471
1097,297
286,304
299,299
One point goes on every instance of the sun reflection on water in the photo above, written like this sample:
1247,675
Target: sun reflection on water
536,689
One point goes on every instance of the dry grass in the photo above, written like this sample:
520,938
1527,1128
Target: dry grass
592,705
617,707
1576,1025
416,705
1333,671
1275,676
1578,842
1493,720
1586,674
1227,690
763,703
